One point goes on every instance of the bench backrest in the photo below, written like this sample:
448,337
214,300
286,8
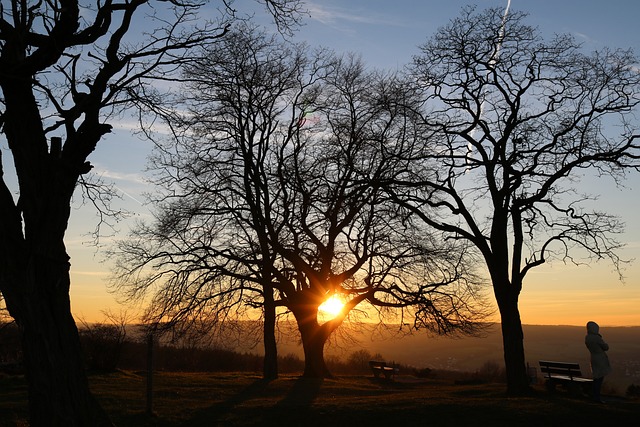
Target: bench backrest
560,368
376,364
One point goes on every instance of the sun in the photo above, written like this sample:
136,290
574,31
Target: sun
332,306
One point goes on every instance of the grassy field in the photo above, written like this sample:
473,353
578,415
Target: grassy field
243,399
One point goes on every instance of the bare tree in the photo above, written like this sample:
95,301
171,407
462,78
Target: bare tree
103,342
344,236
209,245
66,70
514,120
272,199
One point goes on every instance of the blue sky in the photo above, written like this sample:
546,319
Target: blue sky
386,33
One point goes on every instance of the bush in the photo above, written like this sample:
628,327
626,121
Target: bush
424,373
102,345
204,359
492,372
633,390
358,361
290,364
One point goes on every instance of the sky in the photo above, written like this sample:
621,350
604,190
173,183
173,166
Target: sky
387,34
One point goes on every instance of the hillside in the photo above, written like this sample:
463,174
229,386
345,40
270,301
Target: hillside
562,343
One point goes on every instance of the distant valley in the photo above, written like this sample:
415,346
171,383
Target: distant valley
561,343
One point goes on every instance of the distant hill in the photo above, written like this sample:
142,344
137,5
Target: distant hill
561,343
465,354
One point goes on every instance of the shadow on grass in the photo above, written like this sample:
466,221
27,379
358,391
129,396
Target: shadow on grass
296,408
302,394
216,413
296,403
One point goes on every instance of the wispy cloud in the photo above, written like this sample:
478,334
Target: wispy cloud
584,37
90,273
134,126
338,16
125,124
135,178
126,183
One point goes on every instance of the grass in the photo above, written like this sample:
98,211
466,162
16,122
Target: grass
244,399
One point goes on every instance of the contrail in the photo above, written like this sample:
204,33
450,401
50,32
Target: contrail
492,62
128,195
495,55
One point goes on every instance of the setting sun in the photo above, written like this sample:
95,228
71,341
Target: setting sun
332,306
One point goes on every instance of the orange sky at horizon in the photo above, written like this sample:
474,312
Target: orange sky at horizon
588,293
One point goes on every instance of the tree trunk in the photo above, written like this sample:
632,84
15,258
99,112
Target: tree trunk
58,387
314,337
513,341
270,368
34,264
35,283
313,345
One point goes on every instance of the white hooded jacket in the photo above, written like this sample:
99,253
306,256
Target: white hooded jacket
597,347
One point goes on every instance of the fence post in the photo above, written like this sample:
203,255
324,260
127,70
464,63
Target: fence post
150,373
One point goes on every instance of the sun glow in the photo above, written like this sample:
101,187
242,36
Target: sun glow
332,306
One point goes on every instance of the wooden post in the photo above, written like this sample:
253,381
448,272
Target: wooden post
150,373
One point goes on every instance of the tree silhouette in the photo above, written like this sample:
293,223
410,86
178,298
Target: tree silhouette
271,198
209,243
66,71
514,121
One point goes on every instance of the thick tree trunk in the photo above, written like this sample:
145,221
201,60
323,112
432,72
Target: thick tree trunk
513,342
313,345
58,387
35,285
34,265
314,337
270,368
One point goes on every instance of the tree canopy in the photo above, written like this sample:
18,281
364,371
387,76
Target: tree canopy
514,121
270,189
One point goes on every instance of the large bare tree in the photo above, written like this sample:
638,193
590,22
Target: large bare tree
209,245
66,70
342,235
271,197
514,120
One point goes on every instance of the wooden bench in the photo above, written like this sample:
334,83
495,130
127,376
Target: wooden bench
566,374
379,368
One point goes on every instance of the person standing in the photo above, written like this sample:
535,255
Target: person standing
599,360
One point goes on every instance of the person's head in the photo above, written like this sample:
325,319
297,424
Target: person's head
592,327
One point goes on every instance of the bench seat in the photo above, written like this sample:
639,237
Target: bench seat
567,374
570,379
379,368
